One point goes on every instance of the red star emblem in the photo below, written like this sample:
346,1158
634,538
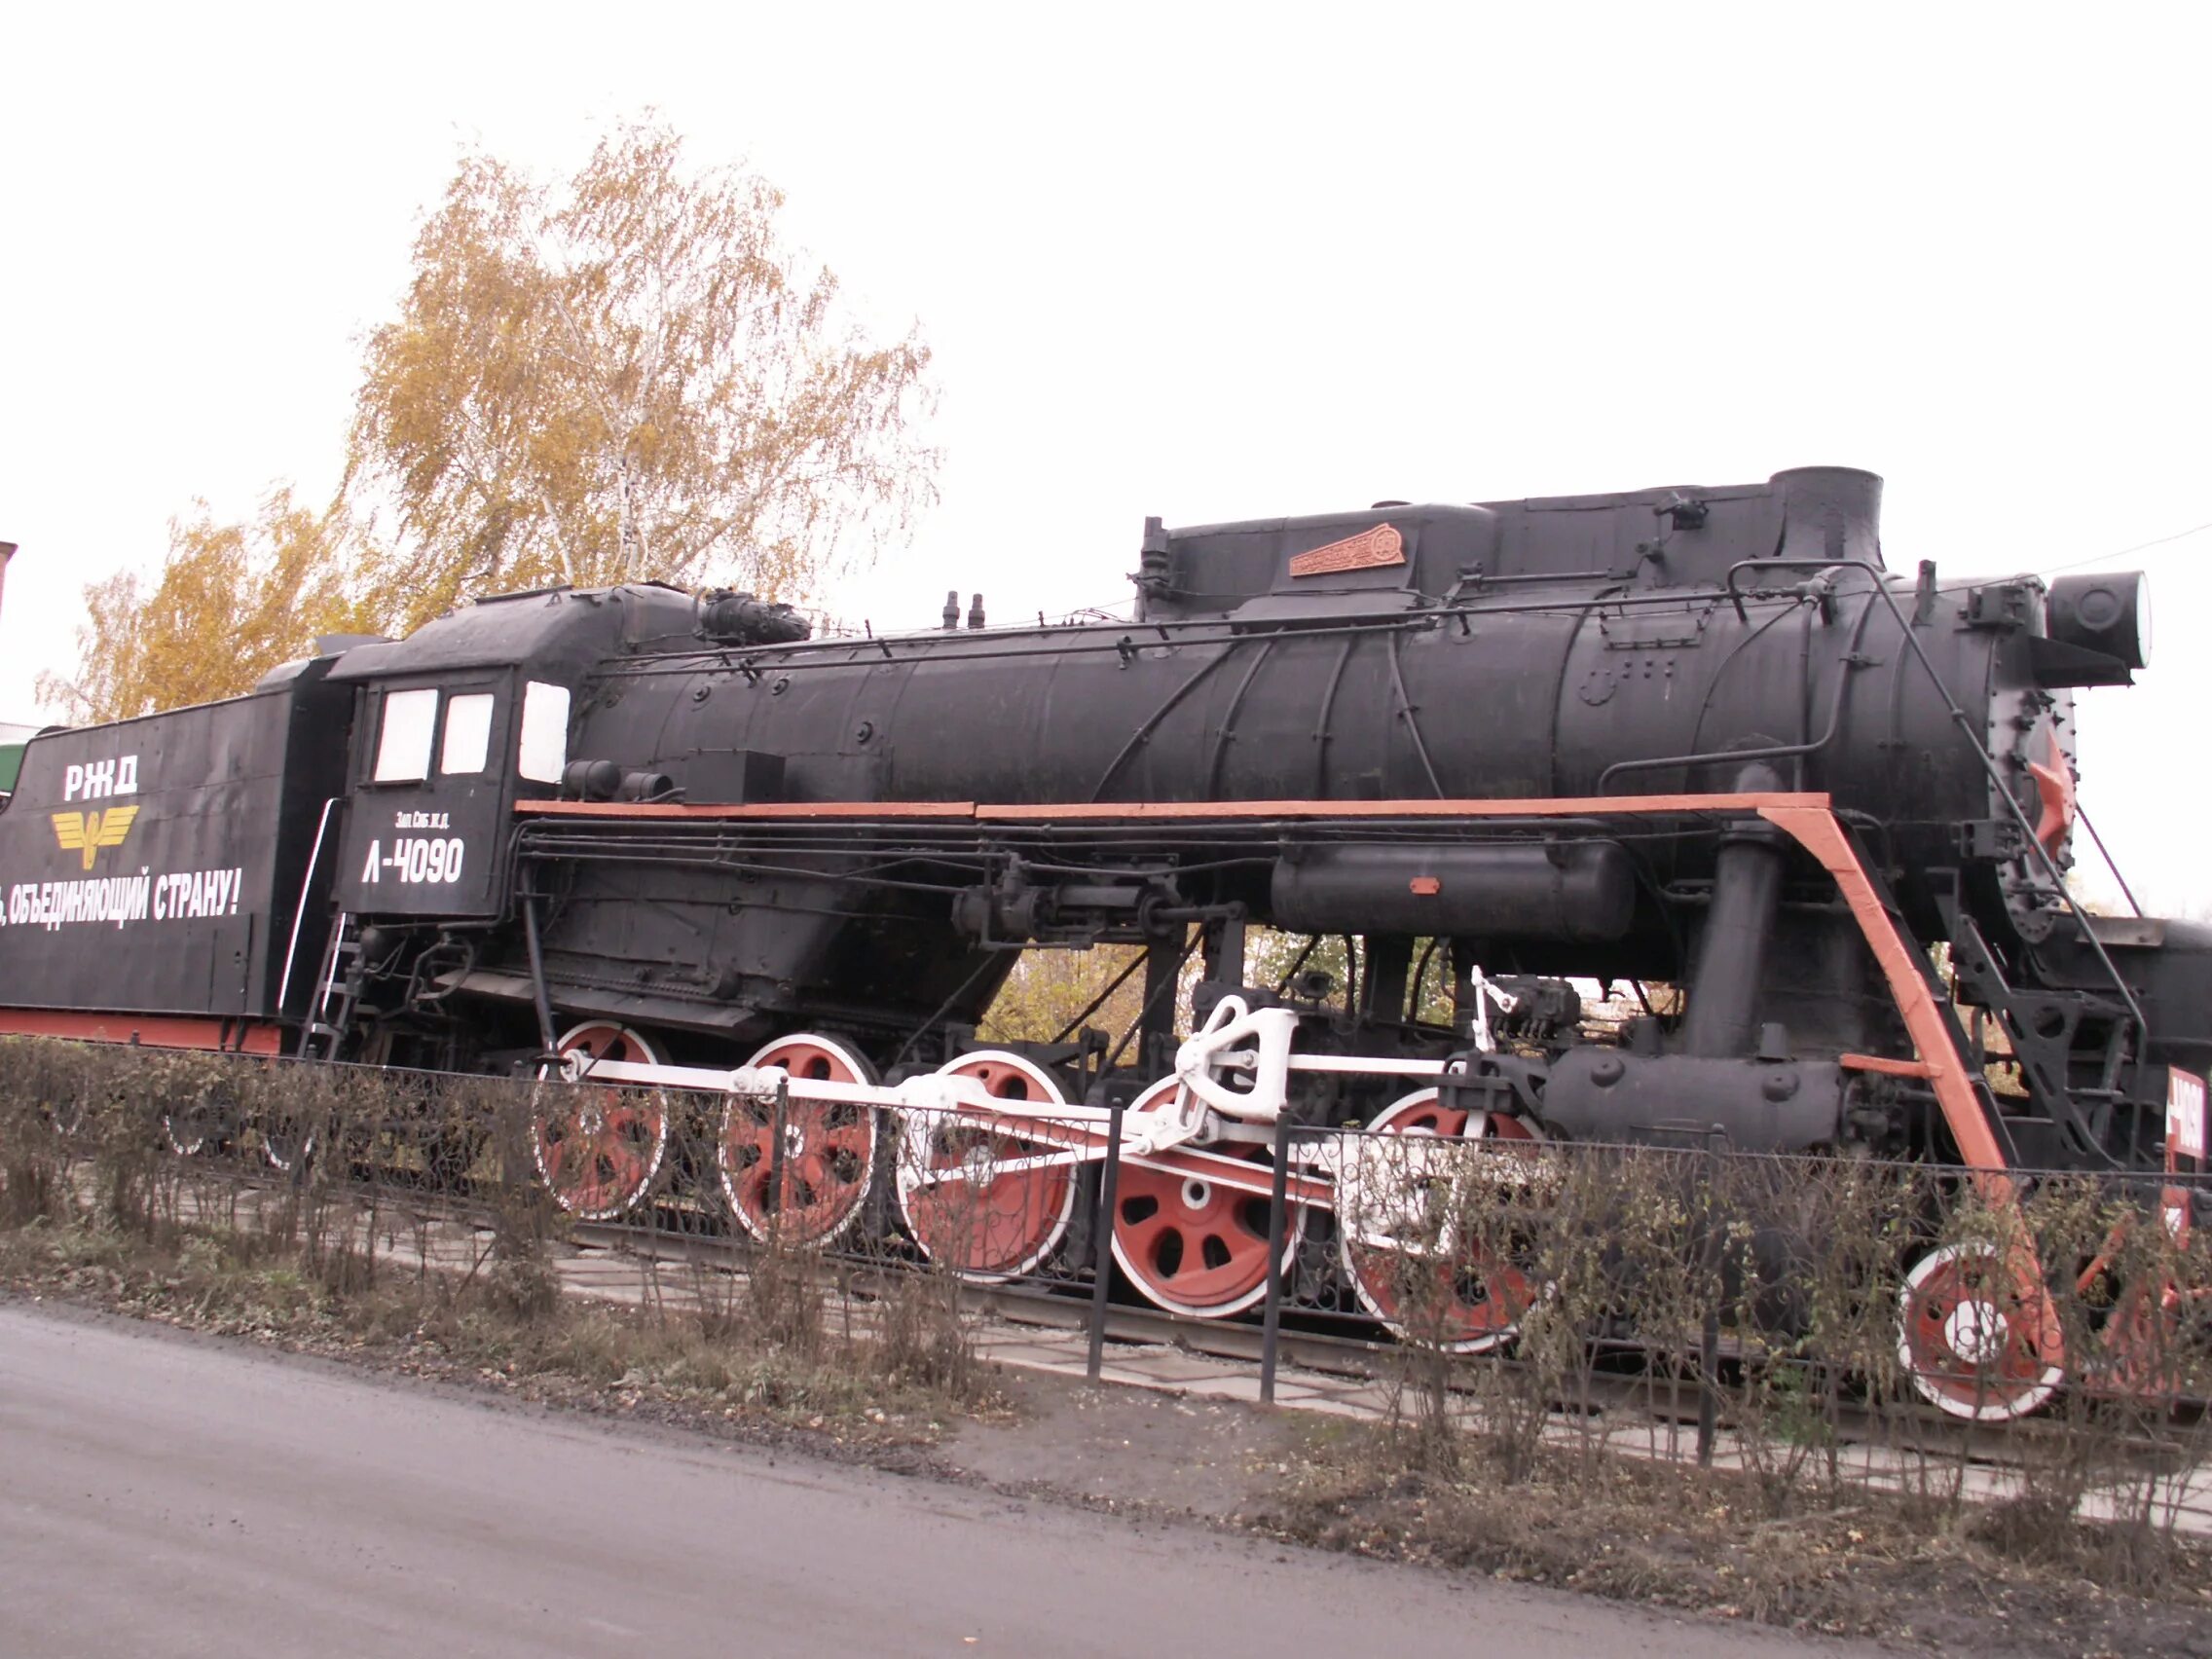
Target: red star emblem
2054,784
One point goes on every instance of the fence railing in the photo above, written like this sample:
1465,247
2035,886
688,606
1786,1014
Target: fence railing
1817,1324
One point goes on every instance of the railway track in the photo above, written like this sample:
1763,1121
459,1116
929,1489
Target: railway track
1064,1306
1627,1395
1622,1387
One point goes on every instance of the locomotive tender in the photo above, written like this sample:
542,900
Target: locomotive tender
1694,738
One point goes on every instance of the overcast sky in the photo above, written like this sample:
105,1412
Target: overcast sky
1209,263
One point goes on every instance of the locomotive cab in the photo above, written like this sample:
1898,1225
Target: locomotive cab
436,765
455,723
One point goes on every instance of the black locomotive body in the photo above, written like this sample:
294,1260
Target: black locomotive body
1669,643
1699,739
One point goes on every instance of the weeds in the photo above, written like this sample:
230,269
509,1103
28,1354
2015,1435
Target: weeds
1755,1299
1886,1566
1766,1301
286,1203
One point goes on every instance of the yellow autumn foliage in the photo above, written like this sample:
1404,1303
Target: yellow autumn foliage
622,376
233,601
1048,989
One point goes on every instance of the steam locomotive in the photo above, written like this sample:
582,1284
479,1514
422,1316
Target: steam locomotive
1697,744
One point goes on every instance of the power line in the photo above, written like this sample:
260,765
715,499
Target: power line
2157,541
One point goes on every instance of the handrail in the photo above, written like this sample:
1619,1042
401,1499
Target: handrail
299,915
1997,784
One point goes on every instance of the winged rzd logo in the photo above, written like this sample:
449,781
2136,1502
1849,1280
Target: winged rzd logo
87,833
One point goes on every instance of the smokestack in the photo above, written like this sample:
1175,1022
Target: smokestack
1830,512
7,552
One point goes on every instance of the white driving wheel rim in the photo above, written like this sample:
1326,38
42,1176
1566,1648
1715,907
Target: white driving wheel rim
1348,1247
1135,1179
735,1179
917,1164
641,1186
1974,1328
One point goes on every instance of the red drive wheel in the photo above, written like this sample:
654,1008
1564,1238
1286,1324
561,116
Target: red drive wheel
828,1148
2145,1345
198,1122
960,1200
286,1142
1460,1297
1967,1336
599,1148
1194,1246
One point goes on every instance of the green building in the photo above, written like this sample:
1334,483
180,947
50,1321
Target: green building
11,741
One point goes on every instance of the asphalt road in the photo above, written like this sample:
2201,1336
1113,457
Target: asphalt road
175,1496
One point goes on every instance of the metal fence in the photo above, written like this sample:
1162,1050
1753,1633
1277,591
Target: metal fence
1812,1322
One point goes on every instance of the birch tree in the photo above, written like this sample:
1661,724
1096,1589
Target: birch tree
1048,988
623,376
626,377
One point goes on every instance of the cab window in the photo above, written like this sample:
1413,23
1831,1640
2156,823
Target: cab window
469,735
544,746
403,745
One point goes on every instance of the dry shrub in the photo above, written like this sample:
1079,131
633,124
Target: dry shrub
479,1128
1759,1294
1759,1298
784,1302
30,1192
924,1339
2128,1295
859,1306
